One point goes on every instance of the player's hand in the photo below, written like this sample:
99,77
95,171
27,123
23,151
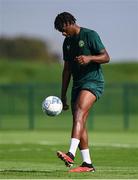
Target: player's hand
65,105
82,59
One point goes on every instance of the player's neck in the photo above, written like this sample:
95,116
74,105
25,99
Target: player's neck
76,29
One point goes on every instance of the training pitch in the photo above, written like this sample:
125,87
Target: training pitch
32,155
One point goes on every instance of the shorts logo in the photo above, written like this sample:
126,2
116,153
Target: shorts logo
81,43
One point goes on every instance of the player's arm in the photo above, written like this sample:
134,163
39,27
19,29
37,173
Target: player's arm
101,58
99,53
66,75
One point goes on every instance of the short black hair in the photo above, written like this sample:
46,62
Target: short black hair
63,18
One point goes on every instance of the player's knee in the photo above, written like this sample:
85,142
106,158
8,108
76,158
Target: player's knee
80,109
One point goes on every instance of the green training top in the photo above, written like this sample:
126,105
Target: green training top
87,42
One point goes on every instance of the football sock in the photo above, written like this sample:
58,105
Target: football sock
86,156
74,145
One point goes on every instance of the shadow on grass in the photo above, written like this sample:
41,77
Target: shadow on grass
28,171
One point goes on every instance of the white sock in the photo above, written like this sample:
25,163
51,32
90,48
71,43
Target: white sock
74,145
86,156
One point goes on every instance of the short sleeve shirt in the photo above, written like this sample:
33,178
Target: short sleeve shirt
87,42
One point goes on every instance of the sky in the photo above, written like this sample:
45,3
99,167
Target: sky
116,21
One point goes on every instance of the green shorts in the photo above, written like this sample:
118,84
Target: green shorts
95,88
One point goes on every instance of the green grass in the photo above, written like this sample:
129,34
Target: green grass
39,72
121,72
43,122
29,72
32,155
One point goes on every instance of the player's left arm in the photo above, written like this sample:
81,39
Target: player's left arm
101,58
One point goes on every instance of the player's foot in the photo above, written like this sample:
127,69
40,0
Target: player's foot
68,158
83,168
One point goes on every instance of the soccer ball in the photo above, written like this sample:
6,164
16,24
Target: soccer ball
52,106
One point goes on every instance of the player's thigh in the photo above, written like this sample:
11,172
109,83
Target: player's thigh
85,101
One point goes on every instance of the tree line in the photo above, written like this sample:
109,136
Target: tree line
25,48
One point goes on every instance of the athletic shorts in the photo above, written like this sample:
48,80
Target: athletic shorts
95,88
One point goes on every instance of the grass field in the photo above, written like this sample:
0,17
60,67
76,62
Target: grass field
40,72
32,155
43,122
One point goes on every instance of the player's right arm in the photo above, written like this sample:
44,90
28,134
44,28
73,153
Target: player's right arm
66,75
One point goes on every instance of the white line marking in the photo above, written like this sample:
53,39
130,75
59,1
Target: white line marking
63,143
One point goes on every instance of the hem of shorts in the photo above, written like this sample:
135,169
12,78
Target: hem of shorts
92,91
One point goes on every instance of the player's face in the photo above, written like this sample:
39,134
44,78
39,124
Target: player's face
67,30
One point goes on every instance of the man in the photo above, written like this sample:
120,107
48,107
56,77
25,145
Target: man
83,52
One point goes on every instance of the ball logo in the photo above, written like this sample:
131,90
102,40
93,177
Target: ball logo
55,100
81,43
47,103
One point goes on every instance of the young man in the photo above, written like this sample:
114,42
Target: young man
83,52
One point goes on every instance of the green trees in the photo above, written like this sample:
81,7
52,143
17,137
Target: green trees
25,48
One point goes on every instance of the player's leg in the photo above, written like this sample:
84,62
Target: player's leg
68,157
84,149
84,102
83,146
84,138
80,112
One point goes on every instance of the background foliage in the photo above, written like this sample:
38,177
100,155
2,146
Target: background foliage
25,48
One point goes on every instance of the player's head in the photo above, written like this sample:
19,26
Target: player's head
63,21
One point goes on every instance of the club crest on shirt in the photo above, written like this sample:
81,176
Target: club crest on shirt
81,43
